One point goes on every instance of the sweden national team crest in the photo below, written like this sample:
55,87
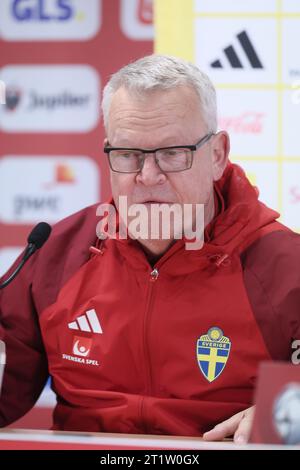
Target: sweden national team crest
212,353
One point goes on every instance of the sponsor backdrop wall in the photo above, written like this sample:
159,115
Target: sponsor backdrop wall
250,49
55,57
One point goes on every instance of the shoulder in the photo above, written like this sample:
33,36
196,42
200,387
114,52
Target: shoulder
72,234
274,260
278,248
82,221
63,254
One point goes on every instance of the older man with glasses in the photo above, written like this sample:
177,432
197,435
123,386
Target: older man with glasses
145,336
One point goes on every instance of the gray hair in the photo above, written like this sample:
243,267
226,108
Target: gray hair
163,72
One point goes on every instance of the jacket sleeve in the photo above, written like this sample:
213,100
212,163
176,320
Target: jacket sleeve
272,280
26,370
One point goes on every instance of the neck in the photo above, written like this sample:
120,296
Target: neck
155,249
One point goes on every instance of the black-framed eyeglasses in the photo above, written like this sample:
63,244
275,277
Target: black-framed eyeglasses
169,159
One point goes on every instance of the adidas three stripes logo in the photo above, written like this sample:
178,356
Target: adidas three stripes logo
234,60
87,322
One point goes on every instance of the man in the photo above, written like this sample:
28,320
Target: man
146,336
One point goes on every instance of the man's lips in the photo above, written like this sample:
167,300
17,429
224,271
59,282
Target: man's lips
154,201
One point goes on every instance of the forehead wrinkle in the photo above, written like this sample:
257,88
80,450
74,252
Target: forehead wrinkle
145,123
180,99
157,113
132,125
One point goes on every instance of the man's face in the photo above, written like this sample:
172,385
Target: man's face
161,119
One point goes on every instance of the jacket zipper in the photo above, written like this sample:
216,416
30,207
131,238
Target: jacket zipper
153,278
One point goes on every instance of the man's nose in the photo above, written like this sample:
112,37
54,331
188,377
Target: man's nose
150,174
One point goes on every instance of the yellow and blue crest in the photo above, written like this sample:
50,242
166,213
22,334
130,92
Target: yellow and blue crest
212,353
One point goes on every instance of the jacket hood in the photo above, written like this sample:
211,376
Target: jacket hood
241,214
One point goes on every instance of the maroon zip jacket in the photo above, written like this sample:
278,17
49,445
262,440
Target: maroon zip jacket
169,349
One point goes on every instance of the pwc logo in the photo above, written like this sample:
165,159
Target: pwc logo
63,174
46,187
50,20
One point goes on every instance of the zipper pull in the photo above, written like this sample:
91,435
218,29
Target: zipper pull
154,275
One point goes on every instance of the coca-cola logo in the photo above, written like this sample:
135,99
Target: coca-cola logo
13,96
249,122
295,194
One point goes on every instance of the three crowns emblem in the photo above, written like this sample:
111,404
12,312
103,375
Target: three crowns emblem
212,353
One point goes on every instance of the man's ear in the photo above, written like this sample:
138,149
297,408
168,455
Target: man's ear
105,142
220,150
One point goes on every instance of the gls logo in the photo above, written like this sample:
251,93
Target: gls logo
62,11
34,19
